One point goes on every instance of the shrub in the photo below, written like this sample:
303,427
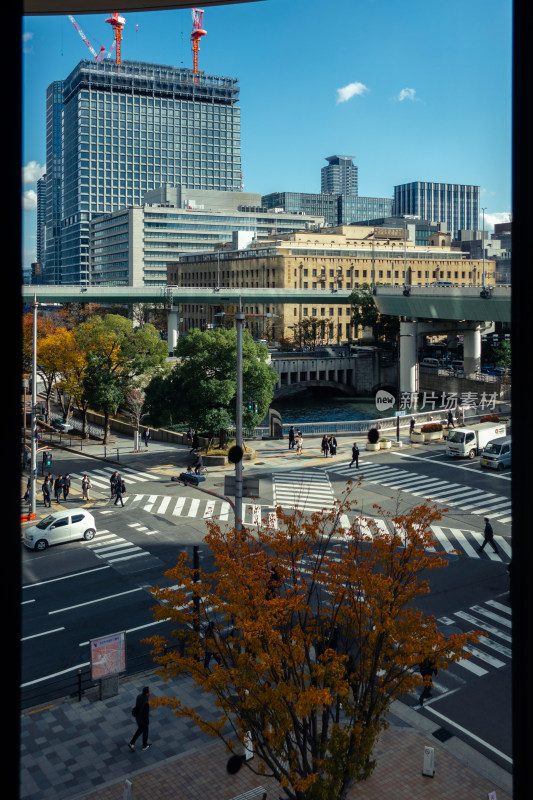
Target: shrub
490,418
431,427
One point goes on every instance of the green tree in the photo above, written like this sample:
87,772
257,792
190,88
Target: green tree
204,381
117,353
365,314
313,642
502,355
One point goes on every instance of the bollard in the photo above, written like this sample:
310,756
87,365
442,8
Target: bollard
79,686
429,762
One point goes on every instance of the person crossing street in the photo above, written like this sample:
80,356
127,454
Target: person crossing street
355,455
488,537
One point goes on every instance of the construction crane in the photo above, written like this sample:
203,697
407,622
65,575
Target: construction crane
118,23
196,35
87,42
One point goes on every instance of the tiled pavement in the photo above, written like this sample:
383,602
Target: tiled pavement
79,750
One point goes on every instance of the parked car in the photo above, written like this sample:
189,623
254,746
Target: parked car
62,427
61,526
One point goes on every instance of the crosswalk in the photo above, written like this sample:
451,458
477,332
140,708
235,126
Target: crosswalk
475,501
305,490
448,539
100,477
491,652
119,552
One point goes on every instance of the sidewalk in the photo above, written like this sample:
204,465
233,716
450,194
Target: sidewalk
73,750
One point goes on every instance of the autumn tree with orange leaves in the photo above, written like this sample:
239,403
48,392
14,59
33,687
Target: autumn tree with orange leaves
317,631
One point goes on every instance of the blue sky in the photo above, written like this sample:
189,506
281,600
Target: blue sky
414,90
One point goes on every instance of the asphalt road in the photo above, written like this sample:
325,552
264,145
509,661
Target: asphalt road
82,590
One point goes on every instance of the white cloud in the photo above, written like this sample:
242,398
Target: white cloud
32,172
26,39
350,90
496,217
407,94
29,200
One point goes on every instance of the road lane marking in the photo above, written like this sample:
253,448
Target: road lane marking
44,633
472,735
98,600
63,577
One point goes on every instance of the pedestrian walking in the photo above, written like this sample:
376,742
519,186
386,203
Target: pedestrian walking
212,644
355,455
195,442
332,444
488,537
189,437
299,444
427,670
141,712
292,437
120,489
147,437
66,486
58,488
47,493
450,419
325,445
85,486
412,425
28,489
113,480
198,464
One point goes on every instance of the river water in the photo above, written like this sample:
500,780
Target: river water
326,408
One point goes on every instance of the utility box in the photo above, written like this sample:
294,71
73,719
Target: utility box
250,486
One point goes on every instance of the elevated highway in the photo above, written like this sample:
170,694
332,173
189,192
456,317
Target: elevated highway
416,302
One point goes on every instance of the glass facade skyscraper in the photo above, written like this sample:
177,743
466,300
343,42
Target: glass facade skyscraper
128,129
455,204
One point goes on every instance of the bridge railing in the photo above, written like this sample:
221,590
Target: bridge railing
384,424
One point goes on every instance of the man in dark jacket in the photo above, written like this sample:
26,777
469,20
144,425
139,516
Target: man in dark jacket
114,480
66,486
427,670
120,488
58,488
355,455
488,536
47,493
142,715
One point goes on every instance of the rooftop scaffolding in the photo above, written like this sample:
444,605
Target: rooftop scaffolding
151,79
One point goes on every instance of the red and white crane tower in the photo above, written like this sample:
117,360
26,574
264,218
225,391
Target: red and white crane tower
117,23
87,42
196,35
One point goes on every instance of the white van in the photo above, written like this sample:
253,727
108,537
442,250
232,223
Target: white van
61,526
497,453
430,362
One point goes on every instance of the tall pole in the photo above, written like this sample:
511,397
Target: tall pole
33,472
483,244
239,320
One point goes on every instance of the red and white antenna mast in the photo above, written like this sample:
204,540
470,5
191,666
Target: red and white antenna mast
196,35
118,23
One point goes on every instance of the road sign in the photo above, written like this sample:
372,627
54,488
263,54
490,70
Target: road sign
250,486
400,413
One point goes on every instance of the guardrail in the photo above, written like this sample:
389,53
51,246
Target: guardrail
383,424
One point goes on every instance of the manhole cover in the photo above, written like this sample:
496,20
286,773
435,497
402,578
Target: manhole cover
442,734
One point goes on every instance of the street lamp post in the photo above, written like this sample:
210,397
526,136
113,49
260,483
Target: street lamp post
239,321
483,245
33,462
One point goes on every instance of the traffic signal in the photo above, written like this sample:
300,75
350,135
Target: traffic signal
47,458
250,404
255,406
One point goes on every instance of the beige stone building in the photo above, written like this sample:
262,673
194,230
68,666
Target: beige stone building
341,258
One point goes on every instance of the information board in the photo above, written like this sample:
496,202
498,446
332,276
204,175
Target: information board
108,655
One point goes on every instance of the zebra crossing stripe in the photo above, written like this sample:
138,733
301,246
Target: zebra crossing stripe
491,615
194,507
498,606
479,671
490,660
486,626
178,507
443,539
465,544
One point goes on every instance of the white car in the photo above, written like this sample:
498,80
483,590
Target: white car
62,427
61,526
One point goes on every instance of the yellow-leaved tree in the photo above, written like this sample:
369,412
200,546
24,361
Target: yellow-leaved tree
314,631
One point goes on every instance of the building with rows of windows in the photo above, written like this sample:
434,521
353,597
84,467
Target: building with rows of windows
340,259
115,132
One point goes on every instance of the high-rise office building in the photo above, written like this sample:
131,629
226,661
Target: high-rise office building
125,130
455,204
340,176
